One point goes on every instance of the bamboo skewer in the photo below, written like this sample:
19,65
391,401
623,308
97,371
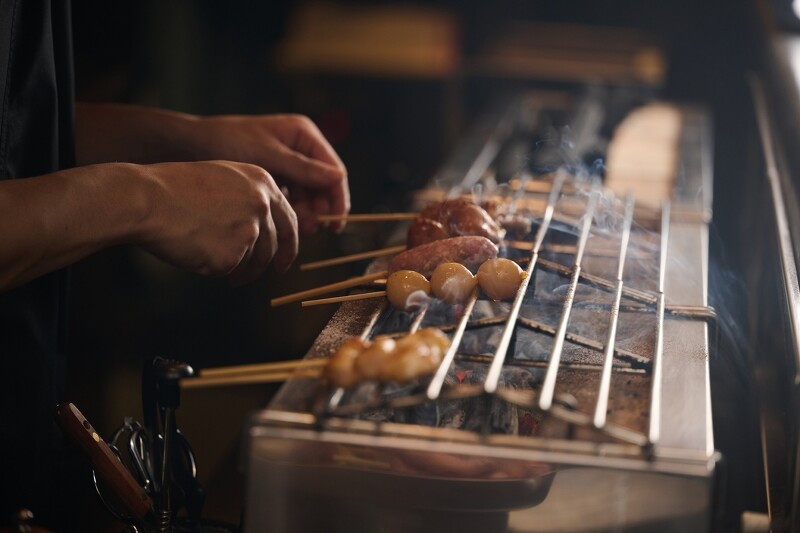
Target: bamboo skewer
347,298
346,284
352,257
263,367
255,373
368,217
203,382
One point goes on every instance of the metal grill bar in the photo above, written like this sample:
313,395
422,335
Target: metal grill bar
605,380
437,381
493,375
373,319
335,397
654,432
420,316
549,385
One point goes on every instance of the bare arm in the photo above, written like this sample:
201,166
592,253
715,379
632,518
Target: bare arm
213,218
212,215
289,147
106,133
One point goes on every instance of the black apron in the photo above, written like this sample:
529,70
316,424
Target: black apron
36,137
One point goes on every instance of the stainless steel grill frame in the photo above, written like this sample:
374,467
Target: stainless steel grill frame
307,443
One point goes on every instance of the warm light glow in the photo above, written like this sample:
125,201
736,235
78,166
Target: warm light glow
793,51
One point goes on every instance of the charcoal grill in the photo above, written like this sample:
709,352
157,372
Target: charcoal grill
589,390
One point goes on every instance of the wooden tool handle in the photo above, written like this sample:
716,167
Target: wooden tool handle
109,468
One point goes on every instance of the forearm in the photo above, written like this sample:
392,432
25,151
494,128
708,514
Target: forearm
51,221
107,133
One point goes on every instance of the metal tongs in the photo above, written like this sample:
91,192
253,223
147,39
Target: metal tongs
156,456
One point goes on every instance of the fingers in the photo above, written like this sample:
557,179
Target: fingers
310,206
218,218
260,251
339,203
300,169
276,235
285,229
309,140
306,218
310,161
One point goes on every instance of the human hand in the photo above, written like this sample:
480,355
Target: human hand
295,153
219,218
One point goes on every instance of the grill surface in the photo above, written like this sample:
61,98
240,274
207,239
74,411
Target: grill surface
598,370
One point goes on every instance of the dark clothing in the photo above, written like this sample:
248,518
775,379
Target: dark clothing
37,122
36,137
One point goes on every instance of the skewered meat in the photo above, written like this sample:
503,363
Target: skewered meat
425,230
500,278
370,362
516,224
409,358
339,371
491,218
416,355
452,282
401,285
469,251
450,218
471,219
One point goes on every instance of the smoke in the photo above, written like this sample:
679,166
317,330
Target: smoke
728,296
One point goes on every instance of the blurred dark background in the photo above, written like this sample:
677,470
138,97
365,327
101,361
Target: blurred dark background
394,111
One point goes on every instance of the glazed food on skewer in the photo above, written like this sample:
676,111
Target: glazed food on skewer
371,361
401,287
436,247
493,219
453,283
505,212
339,370
386,360
415,356
452,218
500,278
463,216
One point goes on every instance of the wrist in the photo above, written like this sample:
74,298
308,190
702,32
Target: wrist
137,194
106,133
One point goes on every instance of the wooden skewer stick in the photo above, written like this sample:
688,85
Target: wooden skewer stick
348,298
368,217
346,284
274,366
202,382
352,257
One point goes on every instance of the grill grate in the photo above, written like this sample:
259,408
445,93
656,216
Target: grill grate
646,248
445,453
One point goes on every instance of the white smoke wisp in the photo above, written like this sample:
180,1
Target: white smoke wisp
417,300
